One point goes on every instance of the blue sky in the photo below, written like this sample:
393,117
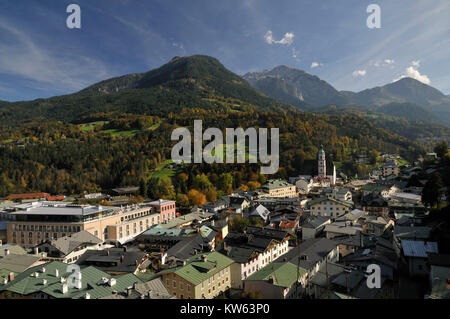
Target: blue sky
41,57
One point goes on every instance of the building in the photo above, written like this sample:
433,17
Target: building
36,222
278,188
314,226
390,168
376,225
253,250
401,233
27,197
416,254
69,248
346,228
329,206
203,276
279,280
439,276
214,207
153,289
51,281
114,261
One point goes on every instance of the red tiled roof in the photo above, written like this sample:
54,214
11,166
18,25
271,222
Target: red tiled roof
56,198
287,224
28,196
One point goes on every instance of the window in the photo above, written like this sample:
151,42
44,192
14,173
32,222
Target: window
181,286
188,287
174,284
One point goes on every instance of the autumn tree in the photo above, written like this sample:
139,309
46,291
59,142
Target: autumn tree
196,198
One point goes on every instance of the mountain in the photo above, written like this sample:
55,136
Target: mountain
423,102
295,87
195,81
410,112
406,90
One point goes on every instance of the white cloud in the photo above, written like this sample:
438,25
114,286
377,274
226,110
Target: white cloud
413,72
315,65
287,39
359,73
385,62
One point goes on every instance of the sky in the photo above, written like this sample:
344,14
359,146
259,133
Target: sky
41,57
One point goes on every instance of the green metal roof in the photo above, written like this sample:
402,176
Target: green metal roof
196,270
282,274
91,277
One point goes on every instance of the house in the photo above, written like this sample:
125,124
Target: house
214,207
329,206
278,188
53,281
321,283
376,225
439,275
18,263
114,260
342,193
157,237
69,248
27,197
239,202
253,250
416,255
377,254
203,276
304,185
375,205
409,233
407,198
204,241
337,229
349,244
390,168
153,289
197,216
398,210
314,226
279,280
375,189
261,212
310,255
126,191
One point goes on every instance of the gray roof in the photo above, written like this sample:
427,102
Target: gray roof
13,249
314,249
187,247
18,263
412,248
416,232
316,222
153,289
68,243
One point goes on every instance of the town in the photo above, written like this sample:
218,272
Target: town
312,236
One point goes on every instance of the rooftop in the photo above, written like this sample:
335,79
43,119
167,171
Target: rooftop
197,270
282,274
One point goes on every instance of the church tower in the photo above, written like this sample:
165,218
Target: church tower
322,164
